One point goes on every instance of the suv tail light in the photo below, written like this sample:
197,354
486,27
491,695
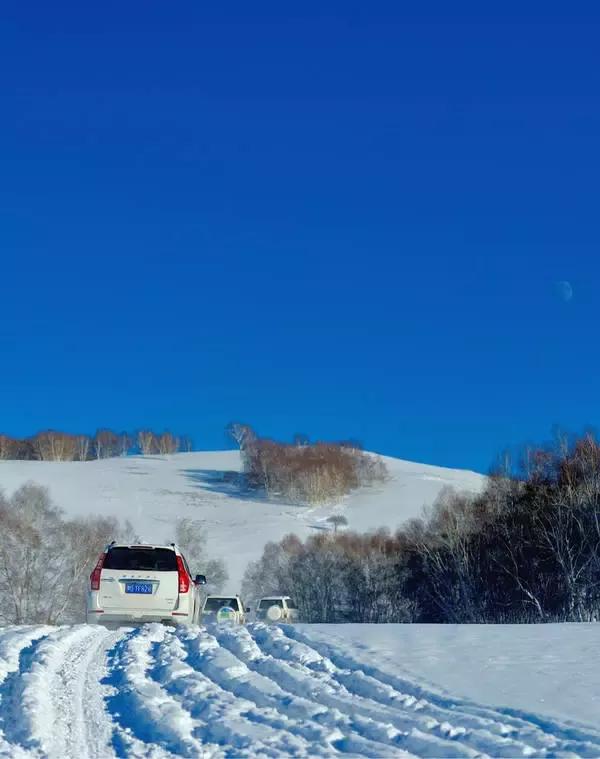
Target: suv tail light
96,572
184,578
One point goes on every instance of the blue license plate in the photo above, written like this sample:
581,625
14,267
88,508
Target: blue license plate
138,587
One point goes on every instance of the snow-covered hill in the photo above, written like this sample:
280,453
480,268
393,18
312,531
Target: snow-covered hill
79,692
153,491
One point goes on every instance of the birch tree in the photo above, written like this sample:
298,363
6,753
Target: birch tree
146,442
82,443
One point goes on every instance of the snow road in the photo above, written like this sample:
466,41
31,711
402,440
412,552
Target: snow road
159,692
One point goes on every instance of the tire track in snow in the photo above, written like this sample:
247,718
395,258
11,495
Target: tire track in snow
546,736
147,719
359,719
266,704
41,700
405,711
232,722
66,696
57,708
256,691
328,730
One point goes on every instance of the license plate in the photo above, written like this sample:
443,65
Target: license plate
138,587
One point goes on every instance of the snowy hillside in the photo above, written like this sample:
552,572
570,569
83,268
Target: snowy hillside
153,491
77,692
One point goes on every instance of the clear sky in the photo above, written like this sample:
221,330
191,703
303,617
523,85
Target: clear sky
345,219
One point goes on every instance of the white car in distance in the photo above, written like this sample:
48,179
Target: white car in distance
134,584
277,609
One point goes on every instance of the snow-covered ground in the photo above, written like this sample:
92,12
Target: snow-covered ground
153,491
306,691
548,669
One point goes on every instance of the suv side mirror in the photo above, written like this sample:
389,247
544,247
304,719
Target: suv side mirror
200,580
248,609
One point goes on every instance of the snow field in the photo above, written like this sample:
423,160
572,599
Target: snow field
252,691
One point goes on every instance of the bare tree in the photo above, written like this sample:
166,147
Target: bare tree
30,525
106,444
146,442
45,559
186,443
82,444
337,520
84,540
8,447
245,437
191,538
167,443
26,450
125,443
51,445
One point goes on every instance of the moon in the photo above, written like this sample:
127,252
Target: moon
564,290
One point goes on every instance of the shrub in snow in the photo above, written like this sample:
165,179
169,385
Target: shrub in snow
305,472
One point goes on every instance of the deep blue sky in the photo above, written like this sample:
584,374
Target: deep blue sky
346,219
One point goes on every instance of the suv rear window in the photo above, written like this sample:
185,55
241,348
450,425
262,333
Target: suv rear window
153,559
214,604
266,603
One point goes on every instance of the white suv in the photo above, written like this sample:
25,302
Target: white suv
224,609
277,609
133,584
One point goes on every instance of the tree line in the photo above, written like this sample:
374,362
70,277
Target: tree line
54,445
304,472
525,549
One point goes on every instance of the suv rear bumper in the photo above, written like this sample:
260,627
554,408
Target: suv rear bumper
209,617
117,618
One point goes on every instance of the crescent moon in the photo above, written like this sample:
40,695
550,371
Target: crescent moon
565,290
